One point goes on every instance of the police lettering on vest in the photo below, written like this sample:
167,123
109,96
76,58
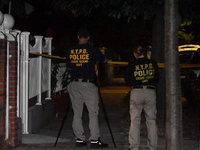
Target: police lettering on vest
79,56
144,72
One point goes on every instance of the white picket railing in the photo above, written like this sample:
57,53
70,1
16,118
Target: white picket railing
35,74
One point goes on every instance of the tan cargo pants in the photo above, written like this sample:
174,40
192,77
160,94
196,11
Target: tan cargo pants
143,99
84,93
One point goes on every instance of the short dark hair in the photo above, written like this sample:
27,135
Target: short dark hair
83,33
141,51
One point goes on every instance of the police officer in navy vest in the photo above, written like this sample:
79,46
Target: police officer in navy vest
142,76
82,58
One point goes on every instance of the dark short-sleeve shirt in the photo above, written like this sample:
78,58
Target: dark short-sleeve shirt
142,71
81,59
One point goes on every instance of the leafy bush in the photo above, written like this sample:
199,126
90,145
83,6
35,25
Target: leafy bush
65,77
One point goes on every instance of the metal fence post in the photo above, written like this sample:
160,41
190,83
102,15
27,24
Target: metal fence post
38,48
48,48
24,60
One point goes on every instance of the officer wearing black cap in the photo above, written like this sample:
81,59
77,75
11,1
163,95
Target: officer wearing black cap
82,58
142,76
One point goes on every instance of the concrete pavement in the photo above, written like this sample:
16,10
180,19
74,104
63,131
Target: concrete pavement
116,109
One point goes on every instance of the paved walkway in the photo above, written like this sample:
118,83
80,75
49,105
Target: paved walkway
116,109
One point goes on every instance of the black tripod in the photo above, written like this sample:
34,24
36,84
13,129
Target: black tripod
105,116
63,121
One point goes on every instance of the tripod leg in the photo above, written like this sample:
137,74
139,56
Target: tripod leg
106,118
63,121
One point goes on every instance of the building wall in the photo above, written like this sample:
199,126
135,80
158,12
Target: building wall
3,62
11,140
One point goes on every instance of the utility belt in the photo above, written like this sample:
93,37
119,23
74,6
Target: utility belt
144,87
85,80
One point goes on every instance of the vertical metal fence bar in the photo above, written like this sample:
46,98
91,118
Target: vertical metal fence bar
16,34
7,94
